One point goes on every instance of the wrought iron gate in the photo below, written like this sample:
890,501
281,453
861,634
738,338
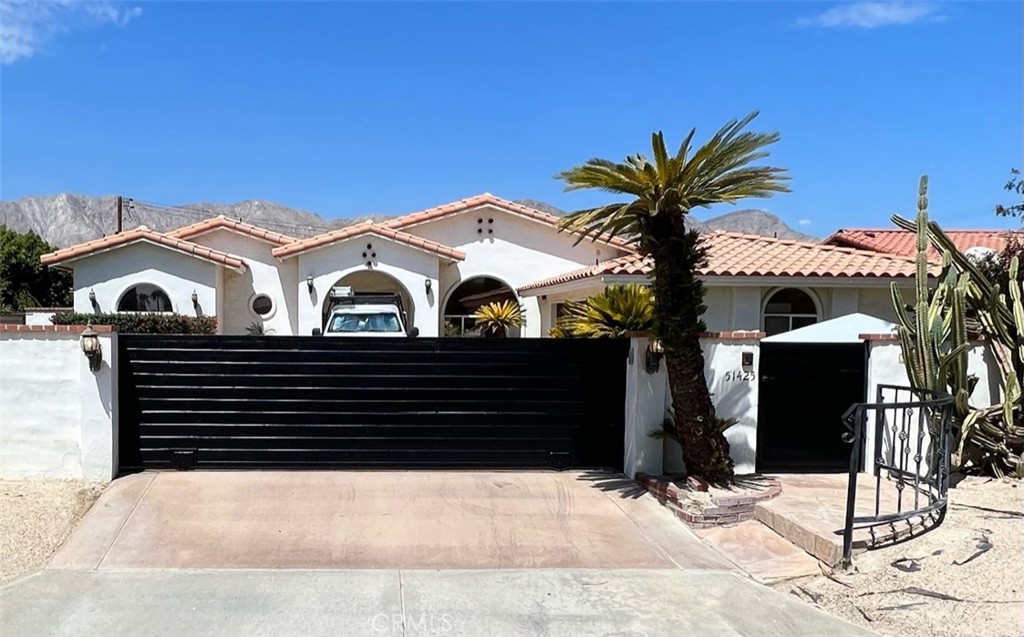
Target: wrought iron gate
910,455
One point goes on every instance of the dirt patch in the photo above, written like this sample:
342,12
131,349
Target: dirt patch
36,516
964,575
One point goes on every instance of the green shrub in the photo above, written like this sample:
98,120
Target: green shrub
143,322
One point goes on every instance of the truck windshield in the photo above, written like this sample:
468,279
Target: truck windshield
368,322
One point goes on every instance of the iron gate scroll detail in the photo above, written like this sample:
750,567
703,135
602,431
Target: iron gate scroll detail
910,457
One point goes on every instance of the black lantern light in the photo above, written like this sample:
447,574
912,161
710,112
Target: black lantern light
91,347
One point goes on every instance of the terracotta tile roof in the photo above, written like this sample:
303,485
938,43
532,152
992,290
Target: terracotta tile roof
368,227
903,242
142,233
462,205
208,225
737,254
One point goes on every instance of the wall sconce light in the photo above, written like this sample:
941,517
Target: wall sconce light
428,284
92,298
309,283
91,347
195,299
653,356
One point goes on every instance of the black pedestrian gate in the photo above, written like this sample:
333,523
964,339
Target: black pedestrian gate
805,388
250,402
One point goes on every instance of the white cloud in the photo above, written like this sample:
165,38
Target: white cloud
873,14
27,25
804,222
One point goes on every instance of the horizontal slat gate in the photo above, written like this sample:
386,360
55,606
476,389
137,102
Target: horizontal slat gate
309,402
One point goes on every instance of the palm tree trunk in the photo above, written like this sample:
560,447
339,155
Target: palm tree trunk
679,304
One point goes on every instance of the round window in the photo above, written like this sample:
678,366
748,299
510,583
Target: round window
262,305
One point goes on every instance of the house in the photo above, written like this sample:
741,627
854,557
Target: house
446,261
902,242
757,283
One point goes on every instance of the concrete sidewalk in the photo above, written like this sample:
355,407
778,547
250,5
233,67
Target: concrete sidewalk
453,603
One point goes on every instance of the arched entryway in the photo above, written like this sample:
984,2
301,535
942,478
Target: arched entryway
372,282
464,300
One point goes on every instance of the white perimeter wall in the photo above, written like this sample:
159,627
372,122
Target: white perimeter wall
110,274
885,367
733,389
56,416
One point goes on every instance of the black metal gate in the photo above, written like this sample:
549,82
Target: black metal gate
311,402
804,390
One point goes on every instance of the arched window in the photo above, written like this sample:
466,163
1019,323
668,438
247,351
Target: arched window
144,297
787,310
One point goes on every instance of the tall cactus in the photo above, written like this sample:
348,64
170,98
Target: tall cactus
934,339
934,343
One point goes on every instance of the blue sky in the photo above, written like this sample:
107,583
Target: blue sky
347,109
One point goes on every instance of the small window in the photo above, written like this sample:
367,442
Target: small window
144,297
262,305
787,310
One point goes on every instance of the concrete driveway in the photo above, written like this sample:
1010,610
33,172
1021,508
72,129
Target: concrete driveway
392,553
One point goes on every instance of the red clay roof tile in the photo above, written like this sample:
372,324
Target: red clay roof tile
903,242
368,227
737,254
142,233
208,225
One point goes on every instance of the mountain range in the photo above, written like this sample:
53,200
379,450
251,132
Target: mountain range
66,219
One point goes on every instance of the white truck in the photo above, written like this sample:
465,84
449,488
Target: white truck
366,315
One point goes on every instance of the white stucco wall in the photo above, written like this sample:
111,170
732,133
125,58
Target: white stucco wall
264,275
878,302
39,317
110,274
645,411
57,417
741,307
733,389
885,367
511,249
409,266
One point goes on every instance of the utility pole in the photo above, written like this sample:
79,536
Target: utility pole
120,214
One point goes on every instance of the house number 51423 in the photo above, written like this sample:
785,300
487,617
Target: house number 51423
739,376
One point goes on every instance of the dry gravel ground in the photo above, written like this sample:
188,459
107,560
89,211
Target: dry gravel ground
36,516
965,577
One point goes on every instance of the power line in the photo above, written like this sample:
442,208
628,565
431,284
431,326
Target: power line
196,213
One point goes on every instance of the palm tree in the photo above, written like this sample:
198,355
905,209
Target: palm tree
661,193
618,310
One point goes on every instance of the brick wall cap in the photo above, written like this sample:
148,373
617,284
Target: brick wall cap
52,329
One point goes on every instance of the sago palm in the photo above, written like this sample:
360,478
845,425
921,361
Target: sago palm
495,319
660,193
618,310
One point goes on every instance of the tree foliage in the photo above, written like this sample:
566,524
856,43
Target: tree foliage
1014,185
24,281
658,193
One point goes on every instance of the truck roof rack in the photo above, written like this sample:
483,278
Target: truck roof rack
361,299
